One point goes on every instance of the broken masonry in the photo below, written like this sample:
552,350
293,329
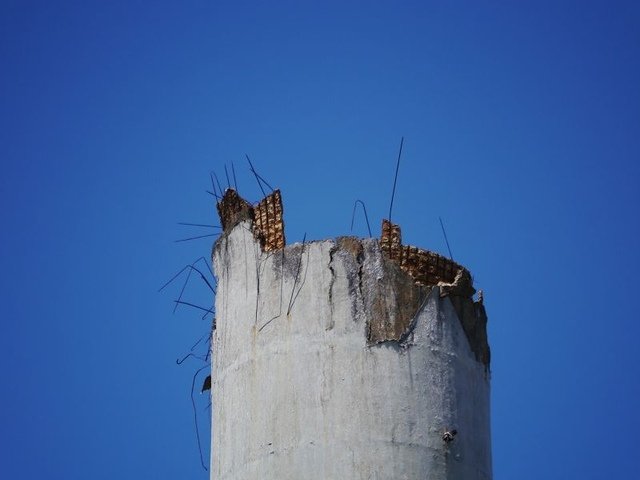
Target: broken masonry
414,272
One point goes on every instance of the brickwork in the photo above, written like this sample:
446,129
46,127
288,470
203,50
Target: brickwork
391,240
267,218
268,225
425,267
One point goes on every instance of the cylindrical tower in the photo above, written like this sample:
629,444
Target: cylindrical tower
343,359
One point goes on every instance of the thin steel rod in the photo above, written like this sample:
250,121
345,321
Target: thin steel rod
295,280
235,181
445,238
213,185
395,180
192,305
259,177
226,173
218,182
255,175
366,217
198,225
195,415
195,238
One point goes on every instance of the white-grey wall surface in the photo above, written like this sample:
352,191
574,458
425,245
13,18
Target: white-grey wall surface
299,394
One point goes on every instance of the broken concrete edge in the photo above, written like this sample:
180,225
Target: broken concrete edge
392,301
266,217
424,266
453,280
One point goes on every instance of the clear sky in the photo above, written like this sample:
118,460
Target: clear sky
522,131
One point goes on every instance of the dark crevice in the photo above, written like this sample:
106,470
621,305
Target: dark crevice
332,250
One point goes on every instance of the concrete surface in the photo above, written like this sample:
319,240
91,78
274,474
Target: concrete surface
300,393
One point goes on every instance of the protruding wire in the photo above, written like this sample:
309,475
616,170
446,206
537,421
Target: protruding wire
218,183
304,279
194,306
366,217
199,225
184,286
186,281
281,292
264,181
255,175
213,185
173,278
199,340
179,361
206,264
208,356
393,193
195,415
209,408
195,238
259,177
191,269
235,181
191,266
445,238
207,313
226,173
295,280
213,290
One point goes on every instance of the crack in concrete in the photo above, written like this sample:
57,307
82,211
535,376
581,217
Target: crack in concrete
387,281
332,323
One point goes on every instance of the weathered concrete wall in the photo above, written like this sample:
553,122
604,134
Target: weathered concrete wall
315,378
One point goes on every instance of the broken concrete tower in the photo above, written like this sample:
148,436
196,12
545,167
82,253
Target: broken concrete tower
359,359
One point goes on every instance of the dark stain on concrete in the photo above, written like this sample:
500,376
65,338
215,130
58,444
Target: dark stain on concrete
391,298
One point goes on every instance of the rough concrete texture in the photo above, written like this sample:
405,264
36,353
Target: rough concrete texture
329,363
429,269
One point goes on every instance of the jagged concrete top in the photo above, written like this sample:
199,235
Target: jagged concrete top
396,297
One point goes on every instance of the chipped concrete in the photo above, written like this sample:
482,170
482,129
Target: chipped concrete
332,361
428,269
266,217
391,298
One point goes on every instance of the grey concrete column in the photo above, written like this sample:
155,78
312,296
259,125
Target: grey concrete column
329,362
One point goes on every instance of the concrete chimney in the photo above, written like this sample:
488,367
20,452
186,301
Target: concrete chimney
359,359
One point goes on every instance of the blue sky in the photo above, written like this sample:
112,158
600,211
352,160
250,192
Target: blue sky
522,131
